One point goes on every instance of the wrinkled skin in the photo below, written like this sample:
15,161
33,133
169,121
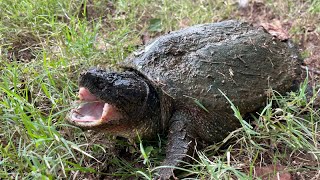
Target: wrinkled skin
158,87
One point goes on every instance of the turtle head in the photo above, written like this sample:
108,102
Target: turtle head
119,103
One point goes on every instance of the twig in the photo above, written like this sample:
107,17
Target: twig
310,69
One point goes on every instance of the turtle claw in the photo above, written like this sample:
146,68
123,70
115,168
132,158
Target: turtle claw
180,146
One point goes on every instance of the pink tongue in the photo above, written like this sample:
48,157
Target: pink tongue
85,119
91,111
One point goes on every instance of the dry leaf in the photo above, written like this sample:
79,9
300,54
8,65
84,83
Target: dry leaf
275,29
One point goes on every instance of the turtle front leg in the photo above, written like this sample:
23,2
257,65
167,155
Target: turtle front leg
180,144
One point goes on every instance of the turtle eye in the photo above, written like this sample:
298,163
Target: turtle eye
110,79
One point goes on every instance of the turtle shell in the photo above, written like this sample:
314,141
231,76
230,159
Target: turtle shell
194,65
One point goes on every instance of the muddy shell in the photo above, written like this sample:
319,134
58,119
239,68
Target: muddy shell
242,61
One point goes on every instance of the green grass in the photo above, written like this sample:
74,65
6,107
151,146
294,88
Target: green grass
45,44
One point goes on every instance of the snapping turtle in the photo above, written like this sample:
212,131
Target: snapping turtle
174,85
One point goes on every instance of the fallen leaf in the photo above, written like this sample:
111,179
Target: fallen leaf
275,29
155,25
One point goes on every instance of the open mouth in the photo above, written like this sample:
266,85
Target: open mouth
91,109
